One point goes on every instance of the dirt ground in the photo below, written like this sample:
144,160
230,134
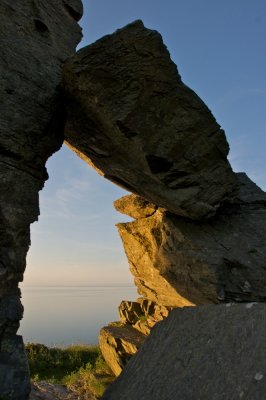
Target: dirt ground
48,391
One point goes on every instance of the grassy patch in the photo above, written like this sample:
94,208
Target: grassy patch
79,367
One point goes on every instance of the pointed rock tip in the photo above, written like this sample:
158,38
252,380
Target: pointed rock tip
138,23
134,25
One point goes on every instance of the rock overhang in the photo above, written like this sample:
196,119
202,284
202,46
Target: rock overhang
130,117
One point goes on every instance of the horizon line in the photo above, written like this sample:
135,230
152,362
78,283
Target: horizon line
95,285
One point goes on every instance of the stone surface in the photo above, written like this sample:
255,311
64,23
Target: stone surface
130,116
49,391
135,206
142,314
36,37
120,340
118,343
208,352
178,262
14,371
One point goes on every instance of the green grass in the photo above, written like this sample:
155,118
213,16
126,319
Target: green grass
79,367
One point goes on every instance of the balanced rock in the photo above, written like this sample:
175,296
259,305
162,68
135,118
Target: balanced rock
178,262
208,352
135,206
118,343
130,116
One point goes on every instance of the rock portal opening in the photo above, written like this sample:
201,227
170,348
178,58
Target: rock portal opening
75,253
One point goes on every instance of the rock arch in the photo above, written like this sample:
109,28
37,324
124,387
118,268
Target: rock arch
123,107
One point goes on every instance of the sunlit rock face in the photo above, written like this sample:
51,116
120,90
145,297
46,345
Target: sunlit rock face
118,343
120,340
130,116
210,352
178,262
142,314
36,38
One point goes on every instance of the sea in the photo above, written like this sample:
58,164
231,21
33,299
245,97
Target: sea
63,315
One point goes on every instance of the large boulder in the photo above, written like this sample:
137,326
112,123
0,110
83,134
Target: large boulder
208,352
178,262
131,117
36,38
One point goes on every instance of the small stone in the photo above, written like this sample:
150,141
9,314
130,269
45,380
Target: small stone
247,286
258,377
250,305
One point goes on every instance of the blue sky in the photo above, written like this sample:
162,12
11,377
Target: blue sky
220,50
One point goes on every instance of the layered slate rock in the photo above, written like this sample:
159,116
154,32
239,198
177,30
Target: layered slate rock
118,343
130,116
36,38
178,262
142,314
208,352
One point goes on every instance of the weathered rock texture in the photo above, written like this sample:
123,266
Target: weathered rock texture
118,343
135,206
49,391
36,37
142,314
178,262
208,352
120,340
130,116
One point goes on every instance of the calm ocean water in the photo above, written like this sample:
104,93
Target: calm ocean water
67,315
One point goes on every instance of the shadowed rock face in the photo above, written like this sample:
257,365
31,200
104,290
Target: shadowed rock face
36,37
130,116
211,352
178,262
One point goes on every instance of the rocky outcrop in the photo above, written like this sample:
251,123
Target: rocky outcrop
36,38
177,262
195,240
118,343
130,116
142,314
210,352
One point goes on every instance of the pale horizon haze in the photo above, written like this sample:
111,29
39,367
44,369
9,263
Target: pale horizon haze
220,52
